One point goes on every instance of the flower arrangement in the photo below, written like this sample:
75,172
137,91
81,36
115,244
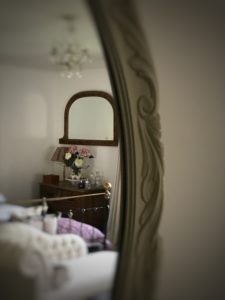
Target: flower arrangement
74,158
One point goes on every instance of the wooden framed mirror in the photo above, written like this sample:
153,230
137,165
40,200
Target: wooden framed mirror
90,119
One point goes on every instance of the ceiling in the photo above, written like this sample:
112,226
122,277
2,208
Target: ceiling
28,29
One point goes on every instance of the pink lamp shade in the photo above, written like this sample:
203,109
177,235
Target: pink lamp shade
59,154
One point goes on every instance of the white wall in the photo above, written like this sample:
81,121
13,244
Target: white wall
32,104
187,42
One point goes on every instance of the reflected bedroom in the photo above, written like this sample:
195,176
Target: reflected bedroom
60,179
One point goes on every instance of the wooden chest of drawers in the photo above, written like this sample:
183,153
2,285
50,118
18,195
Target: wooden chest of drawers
95,206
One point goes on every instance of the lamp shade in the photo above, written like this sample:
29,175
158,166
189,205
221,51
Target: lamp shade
59,154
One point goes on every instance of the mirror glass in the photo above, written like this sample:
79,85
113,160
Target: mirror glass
34,95
91,118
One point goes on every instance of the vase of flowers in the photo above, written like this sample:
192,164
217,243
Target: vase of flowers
74,158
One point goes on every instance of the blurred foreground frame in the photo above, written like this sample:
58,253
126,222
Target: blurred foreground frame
135,91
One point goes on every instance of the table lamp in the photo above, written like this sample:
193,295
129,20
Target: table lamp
58,156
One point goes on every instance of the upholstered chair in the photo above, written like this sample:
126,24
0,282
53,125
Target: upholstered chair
40,266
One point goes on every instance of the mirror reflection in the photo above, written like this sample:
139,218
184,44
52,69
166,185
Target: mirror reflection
91,118
34,95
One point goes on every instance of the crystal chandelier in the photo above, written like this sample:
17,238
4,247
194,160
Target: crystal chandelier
67,52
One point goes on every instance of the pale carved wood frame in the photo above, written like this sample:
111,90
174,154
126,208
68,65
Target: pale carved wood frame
136,93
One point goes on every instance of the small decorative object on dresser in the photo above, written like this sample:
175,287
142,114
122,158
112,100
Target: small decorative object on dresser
51,178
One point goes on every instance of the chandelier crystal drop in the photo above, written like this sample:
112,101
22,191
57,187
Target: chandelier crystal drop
67,53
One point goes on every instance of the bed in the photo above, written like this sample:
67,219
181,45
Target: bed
37,213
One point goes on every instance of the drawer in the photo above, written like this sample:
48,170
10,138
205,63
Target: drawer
48,192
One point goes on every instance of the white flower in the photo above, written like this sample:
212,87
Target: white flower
68,155
78,162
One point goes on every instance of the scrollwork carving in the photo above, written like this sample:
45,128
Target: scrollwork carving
135,88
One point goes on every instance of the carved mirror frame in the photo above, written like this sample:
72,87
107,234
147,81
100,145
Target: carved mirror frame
135,91
67,140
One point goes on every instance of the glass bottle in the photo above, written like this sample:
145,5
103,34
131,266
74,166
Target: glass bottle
98,181
87,184
92,178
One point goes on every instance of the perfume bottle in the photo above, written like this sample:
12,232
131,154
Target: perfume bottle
81,184
98,180
87,184
92,178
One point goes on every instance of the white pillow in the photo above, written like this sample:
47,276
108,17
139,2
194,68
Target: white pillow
26,212
7,211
